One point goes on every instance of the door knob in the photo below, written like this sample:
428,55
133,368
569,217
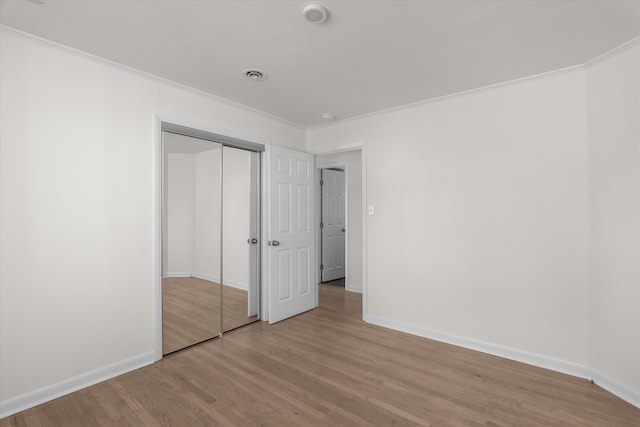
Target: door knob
273,243
343,230
252,241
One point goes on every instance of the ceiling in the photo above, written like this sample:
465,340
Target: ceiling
368,56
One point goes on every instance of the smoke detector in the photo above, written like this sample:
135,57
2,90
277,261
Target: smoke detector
254,74
315,13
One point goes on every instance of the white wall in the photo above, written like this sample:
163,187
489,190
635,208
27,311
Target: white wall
480,232
196,208
353,162
208,214
181,213
236,216
613,88
513,215
78,162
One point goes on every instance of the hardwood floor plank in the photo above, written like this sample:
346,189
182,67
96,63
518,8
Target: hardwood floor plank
192,310
327,367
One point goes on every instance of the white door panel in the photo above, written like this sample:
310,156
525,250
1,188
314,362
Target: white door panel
290,253
333,225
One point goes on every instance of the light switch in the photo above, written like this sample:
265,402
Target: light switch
371,210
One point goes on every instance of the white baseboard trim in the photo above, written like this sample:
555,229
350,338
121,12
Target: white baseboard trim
534,359
231,283
29,400
237,285
177,274
623,391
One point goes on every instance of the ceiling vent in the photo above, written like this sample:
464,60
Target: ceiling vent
254,74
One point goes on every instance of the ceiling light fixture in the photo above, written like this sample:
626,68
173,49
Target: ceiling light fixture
254,74
328,117
315,13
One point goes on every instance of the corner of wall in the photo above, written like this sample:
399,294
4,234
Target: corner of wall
53,391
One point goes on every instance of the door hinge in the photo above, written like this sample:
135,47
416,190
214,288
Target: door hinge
321,183
322,225
321,266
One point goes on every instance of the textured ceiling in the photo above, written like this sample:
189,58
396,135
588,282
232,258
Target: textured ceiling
368,56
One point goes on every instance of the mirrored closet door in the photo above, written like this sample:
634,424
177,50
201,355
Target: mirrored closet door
240,181
210,219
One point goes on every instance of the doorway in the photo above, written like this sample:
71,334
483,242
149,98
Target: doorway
350,163
332,226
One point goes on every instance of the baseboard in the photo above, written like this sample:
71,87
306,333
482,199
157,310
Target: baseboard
534,359
29,400
230,283
623,391
177,274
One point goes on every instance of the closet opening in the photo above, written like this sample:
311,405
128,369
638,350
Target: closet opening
210,220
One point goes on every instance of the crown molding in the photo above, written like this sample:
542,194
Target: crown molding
145,75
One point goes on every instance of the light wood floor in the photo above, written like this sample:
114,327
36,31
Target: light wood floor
328,368
191,311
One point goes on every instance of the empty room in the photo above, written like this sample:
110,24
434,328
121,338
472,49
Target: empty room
319,213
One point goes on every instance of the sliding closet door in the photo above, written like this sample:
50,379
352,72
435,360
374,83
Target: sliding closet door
240,202
210,235
192,221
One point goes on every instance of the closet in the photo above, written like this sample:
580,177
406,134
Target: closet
210,232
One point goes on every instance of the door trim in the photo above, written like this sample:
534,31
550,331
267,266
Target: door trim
363,153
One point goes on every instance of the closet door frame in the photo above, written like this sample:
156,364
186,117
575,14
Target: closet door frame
223,136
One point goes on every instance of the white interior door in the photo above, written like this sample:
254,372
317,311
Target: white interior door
291,233
333,225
